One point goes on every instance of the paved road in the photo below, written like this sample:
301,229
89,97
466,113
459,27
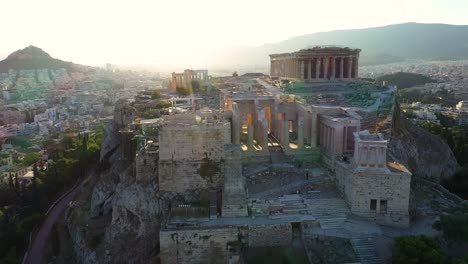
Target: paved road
36,251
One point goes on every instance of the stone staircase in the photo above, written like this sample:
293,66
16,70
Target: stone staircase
365,250
293,204
330,213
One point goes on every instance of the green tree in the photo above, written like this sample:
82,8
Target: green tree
161,105
454,225
10,181
195,86
184,91
20,141
30,158
156,94
417,250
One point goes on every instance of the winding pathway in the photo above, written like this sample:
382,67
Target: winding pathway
35,253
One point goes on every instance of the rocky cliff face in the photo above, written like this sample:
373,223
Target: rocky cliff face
423,153
127,213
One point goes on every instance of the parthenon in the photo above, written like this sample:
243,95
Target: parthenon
317,64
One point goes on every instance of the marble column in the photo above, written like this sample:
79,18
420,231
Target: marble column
341,67
317,68
300,133
314,126
301,73
325,66
338,140
350,65
356,67
333,68
264,134
250,136
285,134
309,69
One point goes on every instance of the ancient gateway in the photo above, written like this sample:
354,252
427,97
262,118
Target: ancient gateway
317,64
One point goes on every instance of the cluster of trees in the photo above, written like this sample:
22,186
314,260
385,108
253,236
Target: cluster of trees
454,225
156,111
443,97
22,206
455,137
156,94
20,141
458,183
420,249
405,79
194,87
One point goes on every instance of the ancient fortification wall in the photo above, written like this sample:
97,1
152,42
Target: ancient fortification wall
197,246
270,235
146,166
192,155
212,245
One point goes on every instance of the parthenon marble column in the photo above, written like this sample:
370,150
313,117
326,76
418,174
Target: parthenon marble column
350,65
301,71
309,69
341,67
325,66
333,68
317,68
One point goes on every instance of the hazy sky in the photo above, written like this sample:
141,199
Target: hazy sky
186,32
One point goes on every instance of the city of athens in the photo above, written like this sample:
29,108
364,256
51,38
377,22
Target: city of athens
234,132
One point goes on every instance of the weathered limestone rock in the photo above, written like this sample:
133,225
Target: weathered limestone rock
423,153
83,253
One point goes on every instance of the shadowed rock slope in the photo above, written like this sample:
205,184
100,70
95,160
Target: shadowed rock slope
424,154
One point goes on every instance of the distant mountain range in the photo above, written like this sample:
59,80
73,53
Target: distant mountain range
33,58
379,45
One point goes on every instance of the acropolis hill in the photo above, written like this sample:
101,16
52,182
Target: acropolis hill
295,161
